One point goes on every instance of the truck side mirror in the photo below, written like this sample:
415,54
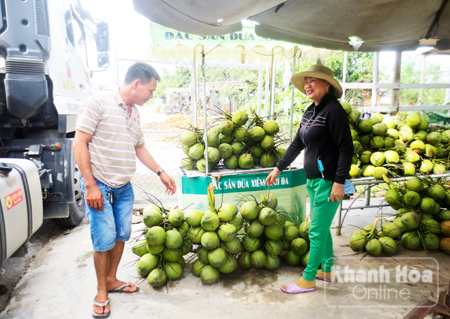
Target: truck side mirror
102,37
103,60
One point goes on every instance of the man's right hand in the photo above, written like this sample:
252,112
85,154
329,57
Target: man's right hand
271,179
94,197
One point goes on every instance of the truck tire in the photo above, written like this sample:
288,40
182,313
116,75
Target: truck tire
77,210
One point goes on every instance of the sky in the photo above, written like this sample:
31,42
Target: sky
130,39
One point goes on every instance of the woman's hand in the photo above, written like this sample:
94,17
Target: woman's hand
337,192
272,177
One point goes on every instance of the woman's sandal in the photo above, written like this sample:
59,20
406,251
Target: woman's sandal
103,305
292,288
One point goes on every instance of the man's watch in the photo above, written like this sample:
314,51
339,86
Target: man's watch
159,172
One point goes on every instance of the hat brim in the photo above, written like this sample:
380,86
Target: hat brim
299,81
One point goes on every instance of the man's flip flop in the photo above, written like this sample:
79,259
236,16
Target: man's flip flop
292,288
103,305
122,287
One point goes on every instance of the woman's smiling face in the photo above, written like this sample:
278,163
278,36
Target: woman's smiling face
316,88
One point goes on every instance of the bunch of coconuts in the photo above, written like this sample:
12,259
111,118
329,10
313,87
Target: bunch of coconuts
385,146
423,214
235,143
161,252
255,236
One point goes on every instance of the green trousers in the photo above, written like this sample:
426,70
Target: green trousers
322,214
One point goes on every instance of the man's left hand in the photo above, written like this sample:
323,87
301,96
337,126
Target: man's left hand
337,192
168,181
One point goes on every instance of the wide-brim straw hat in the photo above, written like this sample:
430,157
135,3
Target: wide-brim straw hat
320,72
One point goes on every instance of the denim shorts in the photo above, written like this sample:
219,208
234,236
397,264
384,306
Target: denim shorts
114,222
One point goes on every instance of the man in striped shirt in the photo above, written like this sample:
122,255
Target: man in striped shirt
107,141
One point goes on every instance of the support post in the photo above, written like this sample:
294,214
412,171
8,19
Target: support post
205,110
396,79
272,86
194,90
376,65
260,78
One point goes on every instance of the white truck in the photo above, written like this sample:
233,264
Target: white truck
45,76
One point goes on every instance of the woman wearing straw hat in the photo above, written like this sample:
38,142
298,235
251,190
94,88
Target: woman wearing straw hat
325,135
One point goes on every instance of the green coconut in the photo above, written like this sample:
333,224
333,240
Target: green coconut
185,149
250,243
377,142
213,138
346,106
389,121
444,215
365,125
365,139
195,234
290,233
357,146
374,247
413,120
391,230
434,138
355,171
267,142
389,142
152,215
400,146
174,239
210,240
393,198
226,138
408,169
244,260
414,184
269,200
257,133
272,262
267,216
193,217
379,129
299,246
237,221
273,232
354,116
271,127
411,240
376,118
233,246
258,259
240,118
436,191
430,242
426,166
365,156
188,138
291,258
155,250
421,135
197,268
210,221
155,236
175,217
377,158
229,266
254,228
156,278
213,154
393,133
188,163
430,150
231,162
226,127
196,151
423,123
280,152
305,259
217,257
406,136
256,150
378,172
427,205
304,229
227,232
445,137
431,226
438,169
139,248
241,134
273,247
173,270
388,245
268,160
209,275
411,198
201,165
250,210
354,133
186,248
246,161
227,211
172,254
238,148
358,242
410,220
367,170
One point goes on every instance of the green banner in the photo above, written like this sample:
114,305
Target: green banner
168,38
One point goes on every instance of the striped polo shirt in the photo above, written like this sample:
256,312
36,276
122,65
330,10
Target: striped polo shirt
114,137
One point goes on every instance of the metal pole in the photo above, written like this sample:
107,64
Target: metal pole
205,118
376,65
194,90
291,126
267,97
396,79
259,92
272,86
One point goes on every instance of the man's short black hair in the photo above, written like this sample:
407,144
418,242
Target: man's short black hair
141,71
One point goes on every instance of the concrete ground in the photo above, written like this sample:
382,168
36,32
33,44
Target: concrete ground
60,283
